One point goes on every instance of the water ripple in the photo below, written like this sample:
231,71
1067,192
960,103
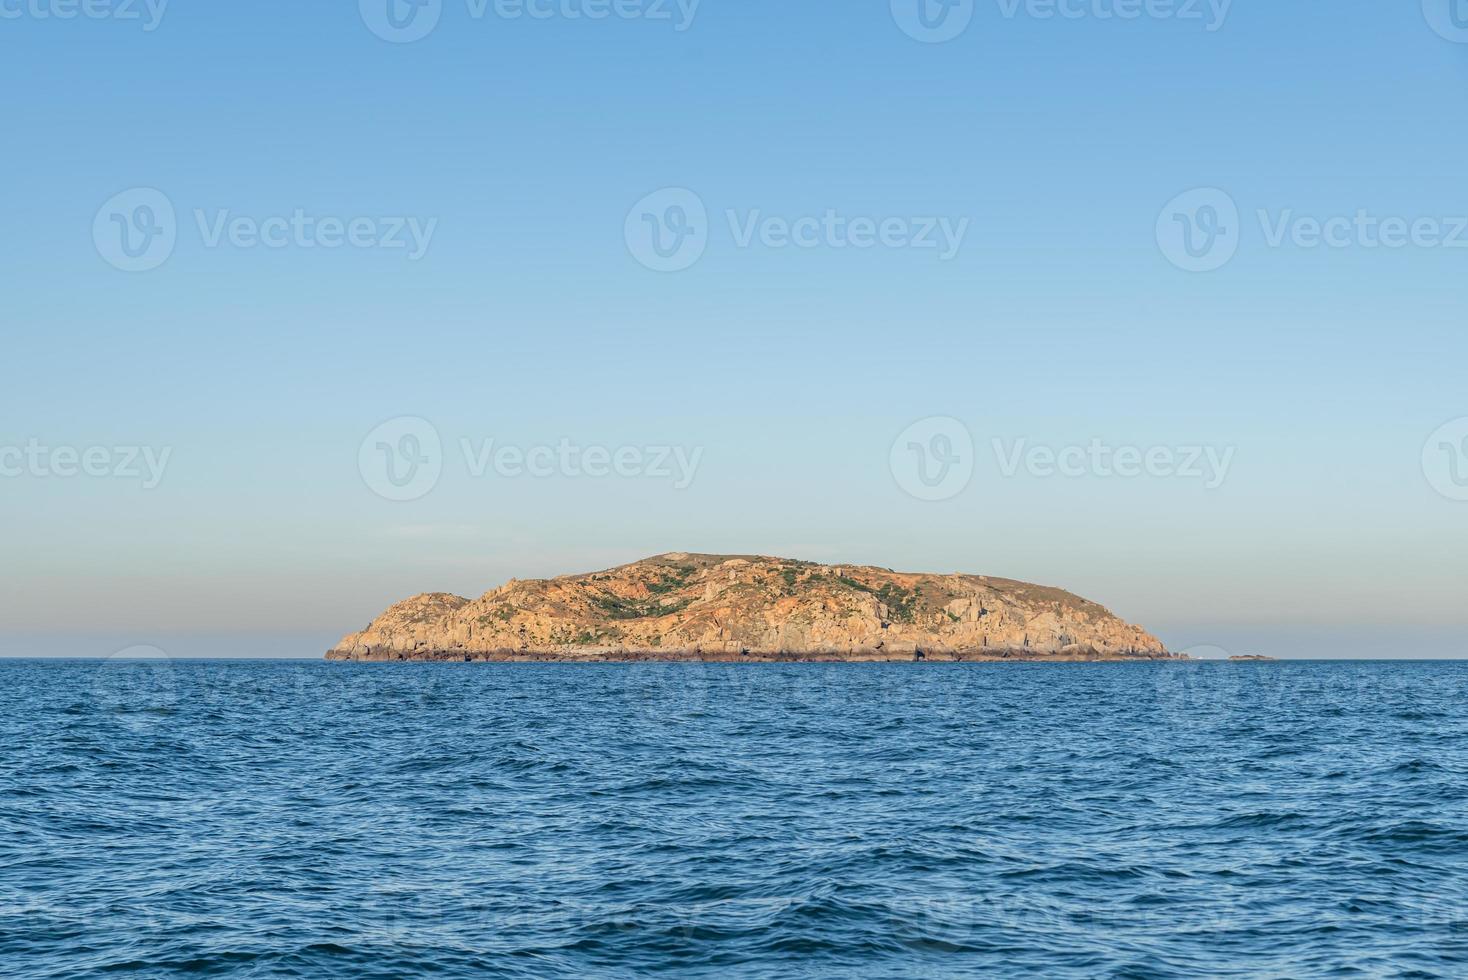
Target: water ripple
260,819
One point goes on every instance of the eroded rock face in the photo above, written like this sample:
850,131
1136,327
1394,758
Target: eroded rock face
726,607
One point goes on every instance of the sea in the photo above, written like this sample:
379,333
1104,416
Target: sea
176,818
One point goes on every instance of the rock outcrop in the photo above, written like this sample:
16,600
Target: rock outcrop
747,608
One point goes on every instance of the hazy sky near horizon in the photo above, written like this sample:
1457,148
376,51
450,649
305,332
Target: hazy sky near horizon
503,179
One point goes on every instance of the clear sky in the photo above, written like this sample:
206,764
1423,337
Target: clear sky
515,188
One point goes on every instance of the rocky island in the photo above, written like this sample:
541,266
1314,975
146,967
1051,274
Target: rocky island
743,608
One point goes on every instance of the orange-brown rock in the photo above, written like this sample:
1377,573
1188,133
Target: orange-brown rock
742,608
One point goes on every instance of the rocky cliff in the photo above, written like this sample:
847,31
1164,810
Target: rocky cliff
740,608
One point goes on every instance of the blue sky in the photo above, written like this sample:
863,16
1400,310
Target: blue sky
530,318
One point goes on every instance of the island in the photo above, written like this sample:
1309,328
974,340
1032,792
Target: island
1252,658
748,608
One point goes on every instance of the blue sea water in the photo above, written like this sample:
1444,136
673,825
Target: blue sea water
279,819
